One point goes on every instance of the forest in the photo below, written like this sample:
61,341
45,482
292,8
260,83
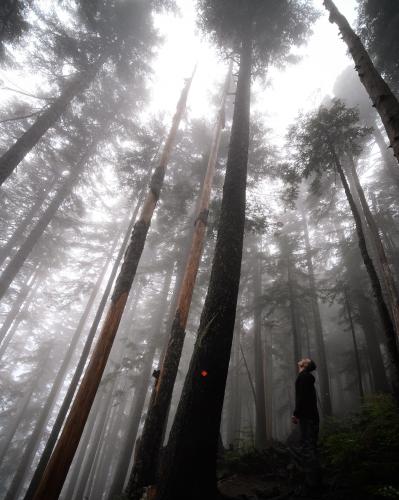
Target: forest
199,249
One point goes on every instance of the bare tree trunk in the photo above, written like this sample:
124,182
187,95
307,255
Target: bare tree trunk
388,158
190,463
144,468
355,347
269,384
45,457
6,250
60,461
234,408
388,327
380,94
34,440
17,152
260,422
130,438
375,234
321,351
103,414
296,334
79,461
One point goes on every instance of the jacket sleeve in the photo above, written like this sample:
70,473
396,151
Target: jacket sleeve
302,387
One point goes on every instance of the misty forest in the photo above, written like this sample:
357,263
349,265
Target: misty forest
199,249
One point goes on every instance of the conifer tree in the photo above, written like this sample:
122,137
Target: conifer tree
321,139
60,461
261,32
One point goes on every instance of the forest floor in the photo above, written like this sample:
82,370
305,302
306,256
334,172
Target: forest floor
358,454
271,474
275,475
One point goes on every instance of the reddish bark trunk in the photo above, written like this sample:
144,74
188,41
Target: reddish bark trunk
60,461
144,468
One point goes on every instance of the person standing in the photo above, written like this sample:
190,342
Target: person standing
306,415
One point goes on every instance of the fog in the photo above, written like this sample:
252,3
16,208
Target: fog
177,234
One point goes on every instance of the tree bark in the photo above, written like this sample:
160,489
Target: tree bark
367,323
355,347
296,335
17,152
39,429
139,399
260,422
388,158
319,336
190,462
388,327
234,408
79,461
389,281
45,457
144,467
62,373
60,461
380,94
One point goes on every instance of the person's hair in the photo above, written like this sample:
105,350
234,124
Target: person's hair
311,366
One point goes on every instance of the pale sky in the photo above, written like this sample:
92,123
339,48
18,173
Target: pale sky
300,86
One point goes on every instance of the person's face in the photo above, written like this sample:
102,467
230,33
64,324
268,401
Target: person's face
302,364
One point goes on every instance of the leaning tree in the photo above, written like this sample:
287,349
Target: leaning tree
380,93
321,140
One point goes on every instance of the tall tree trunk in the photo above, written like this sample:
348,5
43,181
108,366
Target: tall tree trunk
6,250
144,468
388,159
190,463
367,323
388,327
296,334
104,409
234,409
130,438
269,384
260,422
35,438
380,94
15,264
16,307
79,461
60,461
355,347
389,281
45,457
319,337
17,152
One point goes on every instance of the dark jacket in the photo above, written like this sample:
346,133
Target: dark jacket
305,396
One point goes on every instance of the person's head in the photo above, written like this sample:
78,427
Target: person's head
306,364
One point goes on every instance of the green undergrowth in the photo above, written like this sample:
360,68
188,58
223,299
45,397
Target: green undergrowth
250,461
361,452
